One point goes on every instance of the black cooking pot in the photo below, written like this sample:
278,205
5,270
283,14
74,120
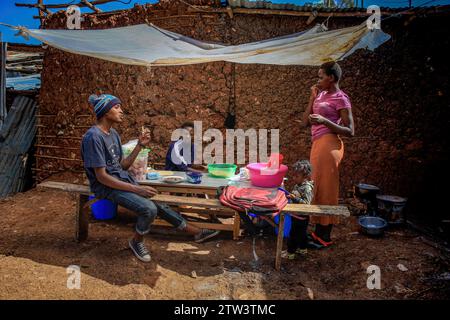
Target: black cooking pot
365,191
392,208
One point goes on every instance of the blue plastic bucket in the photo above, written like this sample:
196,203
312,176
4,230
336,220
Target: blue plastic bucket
103,209
287,225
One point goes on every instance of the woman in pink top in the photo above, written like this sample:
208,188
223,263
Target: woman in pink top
330,116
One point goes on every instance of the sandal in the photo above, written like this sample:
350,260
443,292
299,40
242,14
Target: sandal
319,242
287,255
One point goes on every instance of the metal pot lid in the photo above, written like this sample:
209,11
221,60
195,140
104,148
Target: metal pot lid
389,198
367,187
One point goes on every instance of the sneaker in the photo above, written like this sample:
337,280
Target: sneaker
302,252
139,250
287,255
205,234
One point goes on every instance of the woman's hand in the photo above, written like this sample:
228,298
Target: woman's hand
317,119
314,92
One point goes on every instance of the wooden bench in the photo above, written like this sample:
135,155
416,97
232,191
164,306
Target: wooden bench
211,208
304,209
197,205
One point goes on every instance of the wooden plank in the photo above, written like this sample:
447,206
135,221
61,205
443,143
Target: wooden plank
293,209
174,189
57,158
189,216
169,199
63,5
227,212
91,6
58,137
206,225
211,203
55,147
69,187
279,243
315,210
82,218
196,202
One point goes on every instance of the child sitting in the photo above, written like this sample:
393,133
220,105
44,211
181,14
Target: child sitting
301,193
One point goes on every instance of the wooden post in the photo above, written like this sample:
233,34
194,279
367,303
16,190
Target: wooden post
236,226
82,218
91,6
42,7
230,12
41,14
279,242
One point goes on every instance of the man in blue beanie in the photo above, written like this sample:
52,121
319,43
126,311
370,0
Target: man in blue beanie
106,169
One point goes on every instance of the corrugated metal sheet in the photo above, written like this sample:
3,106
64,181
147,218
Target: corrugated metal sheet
3,111
16,138
289,6
30,82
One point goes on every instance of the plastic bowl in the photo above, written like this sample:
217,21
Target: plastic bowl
272,179
372,226
194,177
153,175
222,170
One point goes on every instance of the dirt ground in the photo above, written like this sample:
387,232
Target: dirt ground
37,245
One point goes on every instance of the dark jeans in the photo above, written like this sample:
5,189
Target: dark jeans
146,210
298,237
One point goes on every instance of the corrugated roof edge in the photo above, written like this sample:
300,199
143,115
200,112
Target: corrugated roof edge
291,7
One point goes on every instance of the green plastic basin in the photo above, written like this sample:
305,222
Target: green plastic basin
222,170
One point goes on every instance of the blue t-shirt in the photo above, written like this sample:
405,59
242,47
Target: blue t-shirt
102,150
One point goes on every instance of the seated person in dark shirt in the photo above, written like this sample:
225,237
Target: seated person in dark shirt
106,169
175,160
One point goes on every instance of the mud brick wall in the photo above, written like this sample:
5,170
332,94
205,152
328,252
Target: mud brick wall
399,94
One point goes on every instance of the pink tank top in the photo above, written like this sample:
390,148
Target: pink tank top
328,105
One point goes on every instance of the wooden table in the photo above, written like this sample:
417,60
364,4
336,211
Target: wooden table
208,205
207,186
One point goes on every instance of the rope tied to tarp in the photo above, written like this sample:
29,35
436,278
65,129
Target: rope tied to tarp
23,31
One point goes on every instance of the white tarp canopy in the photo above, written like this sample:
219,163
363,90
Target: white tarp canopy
148,45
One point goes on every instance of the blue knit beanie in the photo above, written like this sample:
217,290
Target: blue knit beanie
103,103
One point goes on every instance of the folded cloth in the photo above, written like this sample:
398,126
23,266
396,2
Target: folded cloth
255,200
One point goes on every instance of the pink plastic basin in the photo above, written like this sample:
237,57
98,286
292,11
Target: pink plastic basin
272,179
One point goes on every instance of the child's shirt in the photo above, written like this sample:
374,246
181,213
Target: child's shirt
303,194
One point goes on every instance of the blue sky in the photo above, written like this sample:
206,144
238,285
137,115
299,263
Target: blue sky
11,14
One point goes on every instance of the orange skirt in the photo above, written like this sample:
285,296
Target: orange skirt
326,154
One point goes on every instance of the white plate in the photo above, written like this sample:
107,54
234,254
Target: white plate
172,179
